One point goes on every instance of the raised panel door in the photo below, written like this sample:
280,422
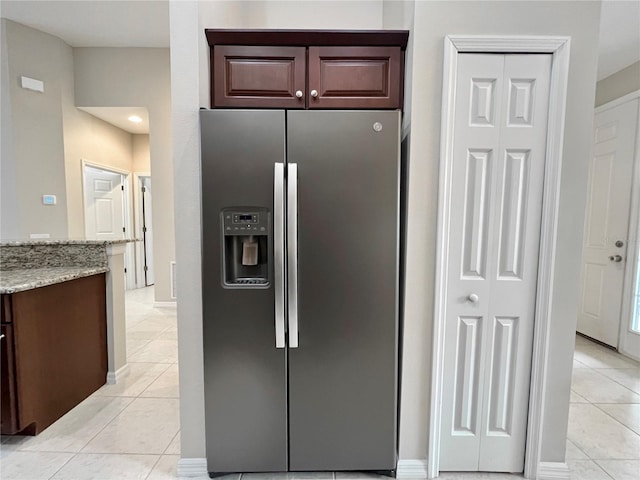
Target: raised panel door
354,77
497,180
9,412
604,249
248,76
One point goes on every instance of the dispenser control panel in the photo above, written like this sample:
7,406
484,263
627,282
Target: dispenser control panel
245,223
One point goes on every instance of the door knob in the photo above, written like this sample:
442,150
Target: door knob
299,93
473,298
314,93
615,258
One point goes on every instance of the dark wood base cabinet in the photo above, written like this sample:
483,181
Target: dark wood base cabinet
54,352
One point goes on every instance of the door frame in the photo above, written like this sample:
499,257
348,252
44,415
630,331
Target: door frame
559,47
633,236
138,221
126,207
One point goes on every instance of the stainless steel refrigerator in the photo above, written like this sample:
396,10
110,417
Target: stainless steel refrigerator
300,273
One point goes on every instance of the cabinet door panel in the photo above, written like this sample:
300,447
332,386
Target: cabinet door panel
9,419
354,77
246,76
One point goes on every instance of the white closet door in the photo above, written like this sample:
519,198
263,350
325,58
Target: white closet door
103,204
499,152
607,223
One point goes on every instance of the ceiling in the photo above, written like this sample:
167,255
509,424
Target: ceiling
119,116
145,23
95,23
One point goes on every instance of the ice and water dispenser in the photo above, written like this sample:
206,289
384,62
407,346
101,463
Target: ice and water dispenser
245,233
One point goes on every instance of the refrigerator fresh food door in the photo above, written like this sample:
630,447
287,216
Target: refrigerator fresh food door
244,371
343,374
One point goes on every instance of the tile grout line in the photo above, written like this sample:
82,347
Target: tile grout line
616,381
604,470
63,465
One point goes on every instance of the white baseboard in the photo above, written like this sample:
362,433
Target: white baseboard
553,471
411,469
164,304
192,468
118,375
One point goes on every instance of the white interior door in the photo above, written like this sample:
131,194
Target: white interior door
104,211
499,153
147,230
607,223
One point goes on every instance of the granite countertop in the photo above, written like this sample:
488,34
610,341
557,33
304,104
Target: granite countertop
12,281
11,243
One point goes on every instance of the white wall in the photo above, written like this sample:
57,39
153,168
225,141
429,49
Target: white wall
138,77
619,84
432,21
274,14
33,157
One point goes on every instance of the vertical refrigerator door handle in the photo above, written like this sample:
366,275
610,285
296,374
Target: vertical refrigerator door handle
292,245
278,241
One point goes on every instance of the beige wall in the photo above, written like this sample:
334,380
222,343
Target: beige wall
33,159
138,77
93,140
141,154
619,84
63,130
430,22
9,226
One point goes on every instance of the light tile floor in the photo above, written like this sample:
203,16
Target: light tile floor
131,430
603,441
125,431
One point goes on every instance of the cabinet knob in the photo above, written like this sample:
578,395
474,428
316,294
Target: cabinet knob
473,298
299,93
314,93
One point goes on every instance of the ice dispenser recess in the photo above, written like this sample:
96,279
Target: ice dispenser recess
246,232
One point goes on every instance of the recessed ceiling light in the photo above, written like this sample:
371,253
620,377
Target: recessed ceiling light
135,119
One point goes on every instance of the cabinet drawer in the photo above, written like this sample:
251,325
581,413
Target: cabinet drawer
247,76
354,77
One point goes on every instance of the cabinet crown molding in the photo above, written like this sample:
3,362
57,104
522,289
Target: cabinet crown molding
308,38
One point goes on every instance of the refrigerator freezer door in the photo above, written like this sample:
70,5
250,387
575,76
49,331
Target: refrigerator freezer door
343,375
244,372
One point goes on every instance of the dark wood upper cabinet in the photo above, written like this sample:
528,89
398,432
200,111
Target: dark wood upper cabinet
307,68
248,76
354,77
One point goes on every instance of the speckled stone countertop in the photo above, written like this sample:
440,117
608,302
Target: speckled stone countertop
11,243
28,264
18,280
